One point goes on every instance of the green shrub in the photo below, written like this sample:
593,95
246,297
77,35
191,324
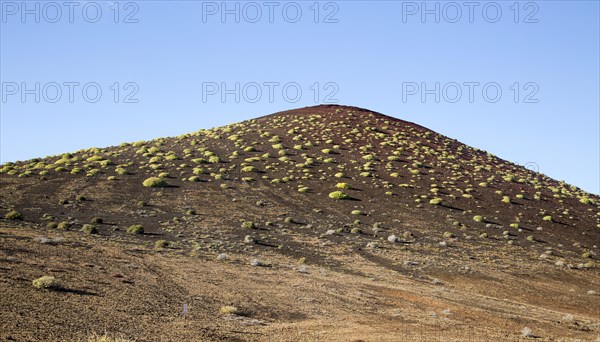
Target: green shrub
248,225
586,200
121,171
95,158
435,201
46,283
155,182
506,199
547,218
477,218
509,178
342,186
13,215
97,220
249,169
64,225
135,229
338,195
51,225
161,244
228,310
356,212
106,163
89,229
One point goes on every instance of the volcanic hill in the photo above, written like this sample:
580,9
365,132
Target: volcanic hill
326,223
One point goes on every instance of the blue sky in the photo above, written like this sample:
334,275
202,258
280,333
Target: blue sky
162,67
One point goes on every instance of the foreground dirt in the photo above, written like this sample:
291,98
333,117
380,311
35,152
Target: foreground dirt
137,292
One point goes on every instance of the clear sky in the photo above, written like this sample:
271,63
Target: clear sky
169,67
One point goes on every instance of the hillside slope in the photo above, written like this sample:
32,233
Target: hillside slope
357,195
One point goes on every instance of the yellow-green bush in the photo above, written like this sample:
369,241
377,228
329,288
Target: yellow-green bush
155,182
